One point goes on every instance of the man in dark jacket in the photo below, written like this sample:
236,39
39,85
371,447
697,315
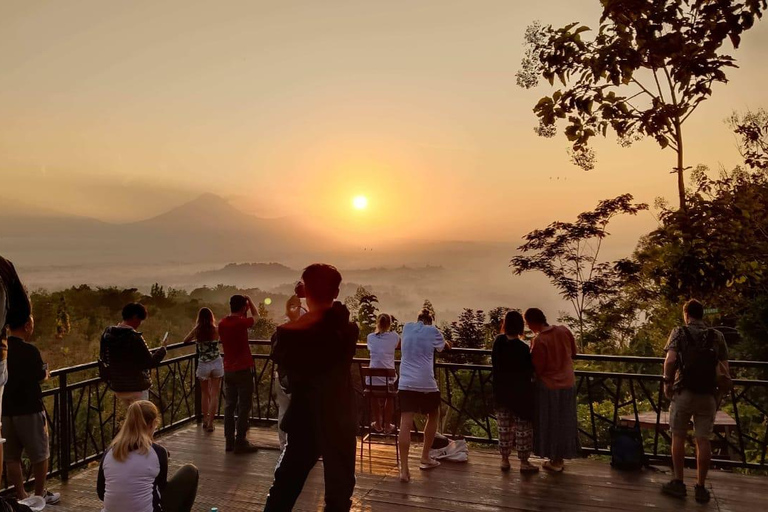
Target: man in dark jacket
315,353
127,357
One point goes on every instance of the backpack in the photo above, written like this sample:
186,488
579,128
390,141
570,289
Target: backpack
12,505
698,363
454,451
627,448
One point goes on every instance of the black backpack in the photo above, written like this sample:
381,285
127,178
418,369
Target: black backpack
698,363
627,448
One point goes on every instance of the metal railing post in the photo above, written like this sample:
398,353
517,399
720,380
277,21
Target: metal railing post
63,427
198,392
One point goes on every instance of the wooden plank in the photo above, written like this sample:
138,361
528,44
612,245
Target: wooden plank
239,483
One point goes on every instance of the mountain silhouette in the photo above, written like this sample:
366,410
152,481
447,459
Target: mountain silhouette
205,229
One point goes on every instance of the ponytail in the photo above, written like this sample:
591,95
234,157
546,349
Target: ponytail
137,430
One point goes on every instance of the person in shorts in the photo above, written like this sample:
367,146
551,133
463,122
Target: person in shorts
210,366
25,427
417,388
690,382
14,304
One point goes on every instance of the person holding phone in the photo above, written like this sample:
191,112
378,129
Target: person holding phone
293,311
126,357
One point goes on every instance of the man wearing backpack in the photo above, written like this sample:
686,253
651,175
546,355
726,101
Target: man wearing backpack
694,353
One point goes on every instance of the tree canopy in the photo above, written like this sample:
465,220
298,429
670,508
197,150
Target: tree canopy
650,64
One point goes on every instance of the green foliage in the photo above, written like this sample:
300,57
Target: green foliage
645,71
62,319
364,310
429,307
752,130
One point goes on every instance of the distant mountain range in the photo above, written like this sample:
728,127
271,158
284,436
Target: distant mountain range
207,228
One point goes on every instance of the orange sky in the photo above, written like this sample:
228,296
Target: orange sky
122,111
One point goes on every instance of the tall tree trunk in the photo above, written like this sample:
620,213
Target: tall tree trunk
680,166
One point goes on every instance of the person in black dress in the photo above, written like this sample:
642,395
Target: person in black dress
513,392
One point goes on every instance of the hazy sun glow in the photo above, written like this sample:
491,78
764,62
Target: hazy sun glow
360,202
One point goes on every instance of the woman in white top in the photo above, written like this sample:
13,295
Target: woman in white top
382,345
417,388
133,474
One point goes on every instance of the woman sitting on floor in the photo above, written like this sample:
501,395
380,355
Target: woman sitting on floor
133,474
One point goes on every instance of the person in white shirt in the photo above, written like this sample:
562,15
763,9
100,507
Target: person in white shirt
382,345
133,474
417,388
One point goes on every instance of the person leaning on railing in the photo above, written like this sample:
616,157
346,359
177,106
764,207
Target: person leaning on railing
126,357
696,357
133,473
210,367
554,424
14,303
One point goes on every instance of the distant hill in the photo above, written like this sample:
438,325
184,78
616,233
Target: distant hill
206,229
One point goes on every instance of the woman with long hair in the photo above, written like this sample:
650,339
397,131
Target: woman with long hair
382,345
513,392
210,367
417,388
555,424
133,474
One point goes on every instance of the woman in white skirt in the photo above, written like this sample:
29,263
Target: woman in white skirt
210,367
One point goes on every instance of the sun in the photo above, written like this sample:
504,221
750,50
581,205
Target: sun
360,202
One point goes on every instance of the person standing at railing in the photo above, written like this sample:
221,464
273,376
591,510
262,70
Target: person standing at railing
293,311
14,304
382,345
696,357
238,372
316,353
25,426
133,473
126,358
417,388
210,366
513,392
555,425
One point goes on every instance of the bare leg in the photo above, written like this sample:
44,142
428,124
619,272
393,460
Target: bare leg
703,457
215,390
376,414
429,434
678,455
16,478
406,421
40,471
205,399
389,408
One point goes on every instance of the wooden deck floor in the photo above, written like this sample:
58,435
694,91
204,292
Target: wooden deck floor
235,483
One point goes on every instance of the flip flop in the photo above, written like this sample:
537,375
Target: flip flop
528,470
429,465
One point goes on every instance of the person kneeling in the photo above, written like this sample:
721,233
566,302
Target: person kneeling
133,474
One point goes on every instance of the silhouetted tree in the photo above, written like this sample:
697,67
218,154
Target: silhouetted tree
568,253
62,319
649,66
752,130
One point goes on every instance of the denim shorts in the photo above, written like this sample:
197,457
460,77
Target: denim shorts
210,369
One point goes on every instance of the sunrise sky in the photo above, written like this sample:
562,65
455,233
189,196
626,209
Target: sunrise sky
122,110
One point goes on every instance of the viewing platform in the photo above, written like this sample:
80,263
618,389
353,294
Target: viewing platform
611,390
239,483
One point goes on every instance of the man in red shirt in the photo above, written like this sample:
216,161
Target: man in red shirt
238,372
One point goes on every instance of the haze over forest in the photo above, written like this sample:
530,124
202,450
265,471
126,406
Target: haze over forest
153,142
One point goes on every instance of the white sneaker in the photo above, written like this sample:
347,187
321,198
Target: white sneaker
51,498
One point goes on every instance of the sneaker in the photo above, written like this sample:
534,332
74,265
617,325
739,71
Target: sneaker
52,498
702,494
675,488
245,446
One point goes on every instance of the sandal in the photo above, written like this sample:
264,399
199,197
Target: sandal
375,428
432,464
211,427
505,466
552,469
529,469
